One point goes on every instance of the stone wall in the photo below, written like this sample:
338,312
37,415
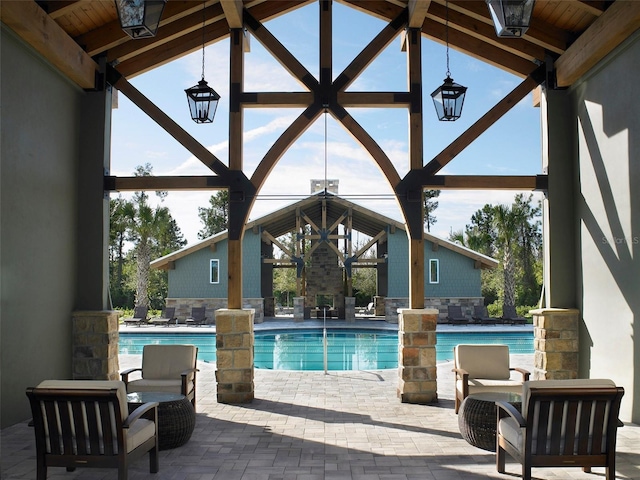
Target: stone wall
183,307
392,304
324,277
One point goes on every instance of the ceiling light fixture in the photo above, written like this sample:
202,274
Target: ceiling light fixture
140,18
203,100
449,97
511,17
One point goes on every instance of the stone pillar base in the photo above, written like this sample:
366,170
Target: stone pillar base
234,355
95,345
417,372
555,343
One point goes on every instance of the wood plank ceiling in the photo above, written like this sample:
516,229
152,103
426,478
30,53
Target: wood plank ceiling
557,25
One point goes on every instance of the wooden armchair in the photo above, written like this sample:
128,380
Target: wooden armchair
85,423
165,368
563,423
484,368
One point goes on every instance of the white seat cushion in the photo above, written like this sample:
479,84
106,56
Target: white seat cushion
146,385
477,385
141,431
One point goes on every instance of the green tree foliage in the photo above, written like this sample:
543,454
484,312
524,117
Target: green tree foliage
152,232
364,280
216,217
430,205
511,234
284,279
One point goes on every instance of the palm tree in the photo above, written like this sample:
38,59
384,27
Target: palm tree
507,222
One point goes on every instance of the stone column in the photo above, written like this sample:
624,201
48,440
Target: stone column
95,345
298,309
417,355
556,343
350,309
234,355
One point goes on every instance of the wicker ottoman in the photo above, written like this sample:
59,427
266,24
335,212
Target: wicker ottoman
477,417
176,416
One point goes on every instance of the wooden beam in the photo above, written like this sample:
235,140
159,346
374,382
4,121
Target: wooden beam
276,99
236,112
374,99
233,11
165,183
416,134
234,273
35,27
482,182
290,63
614,26
369,144
171,127
125,48
416,273
284,141
374,48
417,12
488,119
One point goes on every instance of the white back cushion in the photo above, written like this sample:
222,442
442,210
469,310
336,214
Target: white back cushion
92,384
483,361
167,361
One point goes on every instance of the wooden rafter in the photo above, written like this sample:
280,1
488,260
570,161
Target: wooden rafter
607,32
488,119
170,126
36,28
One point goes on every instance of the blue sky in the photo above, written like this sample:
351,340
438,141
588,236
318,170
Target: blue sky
510,147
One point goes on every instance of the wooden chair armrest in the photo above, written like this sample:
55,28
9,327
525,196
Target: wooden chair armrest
462,373
125,375
506,409
142,412
525,373
189,371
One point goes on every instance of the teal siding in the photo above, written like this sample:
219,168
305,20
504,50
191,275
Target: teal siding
398,264
458,277
190,278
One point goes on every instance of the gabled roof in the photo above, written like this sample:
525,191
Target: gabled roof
282,221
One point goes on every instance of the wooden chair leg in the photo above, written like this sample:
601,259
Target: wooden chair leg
154,464
500,459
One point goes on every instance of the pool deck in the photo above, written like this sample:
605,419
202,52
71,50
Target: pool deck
312,426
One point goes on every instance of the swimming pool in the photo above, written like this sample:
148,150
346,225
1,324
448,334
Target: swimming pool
347,349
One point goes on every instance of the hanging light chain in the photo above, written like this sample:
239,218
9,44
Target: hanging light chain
446,32
204,5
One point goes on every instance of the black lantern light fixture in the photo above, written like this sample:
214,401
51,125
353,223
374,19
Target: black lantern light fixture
449,97
203,100
140,18
511,17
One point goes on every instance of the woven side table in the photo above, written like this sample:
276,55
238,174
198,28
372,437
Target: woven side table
477,417
176,416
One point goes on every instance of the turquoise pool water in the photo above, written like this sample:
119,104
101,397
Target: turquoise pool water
347,349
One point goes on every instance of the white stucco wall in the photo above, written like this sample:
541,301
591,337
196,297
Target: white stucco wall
608,222
38,196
